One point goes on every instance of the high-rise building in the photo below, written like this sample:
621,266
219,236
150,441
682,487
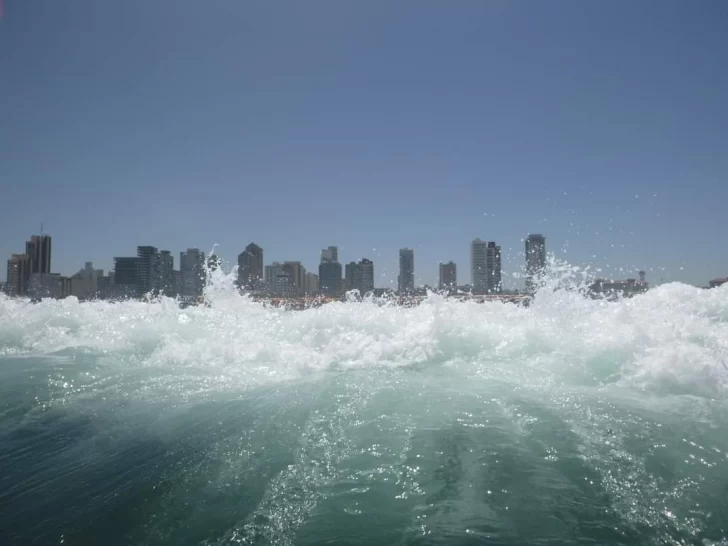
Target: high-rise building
478,268
282,285
360,276
176,282
330,283
166,273
297,273
312,284
149,270
352,276
280,279
406,279
125,277
104,286
448,276
330,254
18,274
366,271
271,271
250,267
330,278
535,258
39,250
485,267
192,273
493,268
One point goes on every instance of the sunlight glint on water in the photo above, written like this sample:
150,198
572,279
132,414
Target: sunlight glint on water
572,420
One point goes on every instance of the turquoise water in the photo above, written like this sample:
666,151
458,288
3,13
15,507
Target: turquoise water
572,421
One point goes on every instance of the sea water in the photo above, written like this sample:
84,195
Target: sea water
570,421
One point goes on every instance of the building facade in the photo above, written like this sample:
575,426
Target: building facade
535,259
126,277
166,274
352,276
478,267
330,279
250,267
85,283
366,272
18,275
312,284
485,267
297,273
448,276
49,285
39,250
493,268
406,279
330,254
148,270
192,273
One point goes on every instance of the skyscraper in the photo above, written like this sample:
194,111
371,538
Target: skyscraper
330,254
330,272
448,276
297,273
250,267
406,279
125,277
478,267
149,270
166,273
39,250
493,268
366,272
535,258
360,276
312,284
18,274
271,271
352,276
280,278
192,272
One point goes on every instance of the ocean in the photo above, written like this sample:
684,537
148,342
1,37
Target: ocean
571,421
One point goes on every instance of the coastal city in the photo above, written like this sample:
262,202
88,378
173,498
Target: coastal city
152,273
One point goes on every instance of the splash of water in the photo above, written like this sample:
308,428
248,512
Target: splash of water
572,419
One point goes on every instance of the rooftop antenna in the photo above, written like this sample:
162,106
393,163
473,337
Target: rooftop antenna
41,224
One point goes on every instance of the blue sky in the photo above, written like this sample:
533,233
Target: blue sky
370,125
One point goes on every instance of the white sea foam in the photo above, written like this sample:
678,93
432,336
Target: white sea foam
572,420
673,338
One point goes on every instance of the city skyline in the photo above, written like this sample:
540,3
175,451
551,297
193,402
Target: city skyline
514,265
152,271
455,122
251,269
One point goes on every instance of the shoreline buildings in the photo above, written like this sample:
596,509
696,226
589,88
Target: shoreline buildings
535,259
152,272
448,276
406,279
330,282
485,267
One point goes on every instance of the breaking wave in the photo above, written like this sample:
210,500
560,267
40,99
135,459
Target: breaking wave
569,420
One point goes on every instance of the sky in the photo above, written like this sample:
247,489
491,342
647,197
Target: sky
371,125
